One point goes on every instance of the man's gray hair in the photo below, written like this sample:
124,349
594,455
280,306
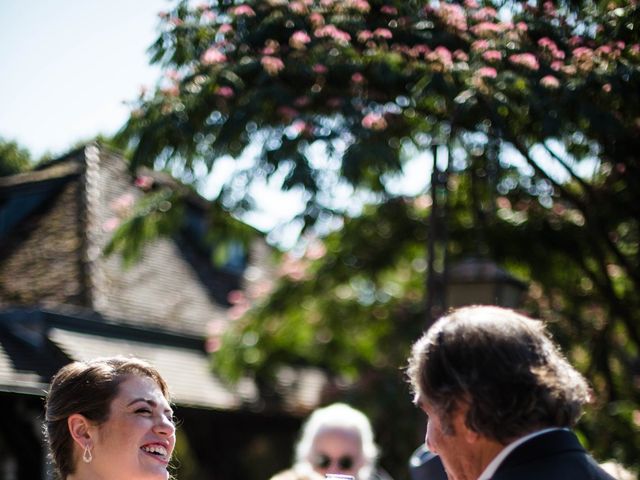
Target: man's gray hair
503,366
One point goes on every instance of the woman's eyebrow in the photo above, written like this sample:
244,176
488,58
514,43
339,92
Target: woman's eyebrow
146,400
151,403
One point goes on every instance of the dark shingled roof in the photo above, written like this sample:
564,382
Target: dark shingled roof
54,254
61,299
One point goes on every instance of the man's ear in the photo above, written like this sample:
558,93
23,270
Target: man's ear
80,429
460,424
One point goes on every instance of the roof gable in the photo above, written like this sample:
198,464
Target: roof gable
52,250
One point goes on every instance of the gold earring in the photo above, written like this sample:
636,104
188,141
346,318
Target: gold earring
86,456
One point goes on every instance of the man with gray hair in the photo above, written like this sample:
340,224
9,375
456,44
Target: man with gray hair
500,398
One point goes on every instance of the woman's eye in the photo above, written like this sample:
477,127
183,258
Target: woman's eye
143,410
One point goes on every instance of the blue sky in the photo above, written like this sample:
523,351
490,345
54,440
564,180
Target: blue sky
67,67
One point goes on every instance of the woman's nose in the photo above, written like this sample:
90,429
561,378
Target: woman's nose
165,425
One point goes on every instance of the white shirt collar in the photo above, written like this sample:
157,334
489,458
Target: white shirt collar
491,469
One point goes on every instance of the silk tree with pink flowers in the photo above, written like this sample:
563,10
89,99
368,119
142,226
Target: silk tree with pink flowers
537,105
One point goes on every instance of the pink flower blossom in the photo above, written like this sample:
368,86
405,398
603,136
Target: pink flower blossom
212,344
526,60
374,121
216,327
272,65
361,6
300,126
110,224
208,16
460,56
225,28
123,204
471,4
453,16
485,29
315,251
316,19
299,40
487,72
293,268
225,92
557,66
244,10
522,27
364,36
575,41
298,7
236,297
549,81
176,22
549,8
270,47
357,78
382,33
484,14
492,56
320,69
583,58
388,10
419,50
441,57
480,45
172,74
212,56
144,182
170,91
333,32
606,88
547,43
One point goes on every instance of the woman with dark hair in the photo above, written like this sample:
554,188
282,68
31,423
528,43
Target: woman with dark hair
109,418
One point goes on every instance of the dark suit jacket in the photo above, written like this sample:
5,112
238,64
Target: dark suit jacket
556,455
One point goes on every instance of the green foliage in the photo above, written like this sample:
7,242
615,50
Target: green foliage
156,214
13,158
553,87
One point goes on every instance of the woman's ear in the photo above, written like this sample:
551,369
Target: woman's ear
80,429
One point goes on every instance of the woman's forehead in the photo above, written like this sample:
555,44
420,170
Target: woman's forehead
140,386
338,435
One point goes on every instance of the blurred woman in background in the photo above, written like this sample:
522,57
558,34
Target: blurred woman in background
337,439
